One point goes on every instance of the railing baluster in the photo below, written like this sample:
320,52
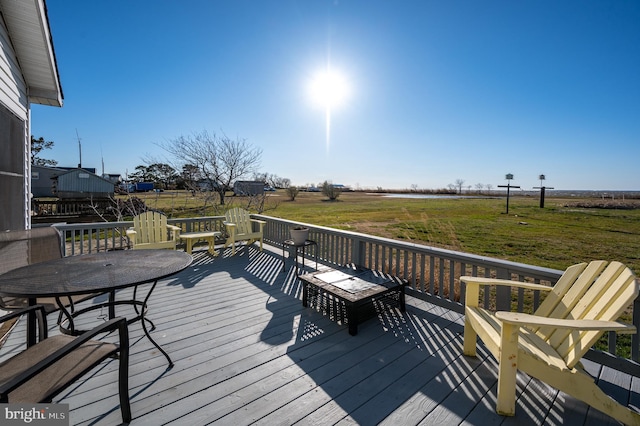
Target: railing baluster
452,280
407,260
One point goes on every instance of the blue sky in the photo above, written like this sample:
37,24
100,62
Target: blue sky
438,90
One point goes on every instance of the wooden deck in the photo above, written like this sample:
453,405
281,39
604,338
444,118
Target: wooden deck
247,352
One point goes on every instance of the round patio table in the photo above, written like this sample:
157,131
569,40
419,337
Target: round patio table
94,273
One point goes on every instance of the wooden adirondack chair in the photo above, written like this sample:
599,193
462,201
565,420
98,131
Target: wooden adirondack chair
548,345
151,231
240,227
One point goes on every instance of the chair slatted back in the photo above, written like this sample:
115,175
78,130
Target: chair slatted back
150,227
593,291
241,218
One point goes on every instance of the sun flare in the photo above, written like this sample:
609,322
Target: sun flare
329,89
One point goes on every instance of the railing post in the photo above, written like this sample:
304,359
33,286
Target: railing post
635,340
503,293
358,252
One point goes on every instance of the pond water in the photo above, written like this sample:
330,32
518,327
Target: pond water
432,196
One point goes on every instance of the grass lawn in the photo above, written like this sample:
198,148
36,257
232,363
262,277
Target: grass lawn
557,236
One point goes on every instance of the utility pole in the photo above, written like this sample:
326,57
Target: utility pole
508,177
79,149
542,189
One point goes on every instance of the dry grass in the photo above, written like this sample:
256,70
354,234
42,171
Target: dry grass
561,234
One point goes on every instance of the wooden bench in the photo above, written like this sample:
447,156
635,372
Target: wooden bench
208,236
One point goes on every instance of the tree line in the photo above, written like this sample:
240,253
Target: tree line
199,161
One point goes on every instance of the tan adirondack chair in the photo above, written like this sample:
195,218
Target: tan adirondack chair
25,247
240,228
548,345
53,364
151,231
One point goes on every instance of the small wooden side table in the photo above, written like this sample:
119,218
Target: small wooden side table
297,247
209,236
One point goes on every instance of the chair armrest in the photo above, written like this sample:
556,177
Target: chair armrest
496,281
260,223
231,227
473,284
174,231
116,323
534,320
42,318
132,234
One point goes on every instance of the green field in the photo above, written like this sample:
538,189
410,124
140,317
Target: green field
557,236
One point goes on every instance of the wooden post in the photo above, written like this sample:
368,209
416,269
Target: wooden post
542,190
508,186
508,177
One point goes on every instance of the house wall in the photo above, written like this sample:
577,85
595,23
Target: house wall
13,89
80,183
15,173
42,180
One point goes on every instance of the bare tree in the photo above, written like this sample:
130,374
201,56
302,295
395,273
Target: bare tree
261,177
459,183
272,180
220,160
479,187
292,192
330,190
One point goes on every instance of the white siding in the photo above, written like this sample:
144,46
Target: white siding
13,89
28,74
27,171
13,98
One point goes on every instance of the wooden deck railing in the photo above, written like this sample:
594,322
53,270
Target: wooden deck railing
432,273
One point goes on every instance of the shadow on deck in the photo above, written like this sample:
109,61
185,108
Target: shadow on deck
247,352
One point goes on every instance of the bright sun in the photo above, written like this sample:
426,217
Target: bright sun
329,89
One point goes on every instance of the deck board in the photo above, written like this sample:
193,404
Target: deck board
247,352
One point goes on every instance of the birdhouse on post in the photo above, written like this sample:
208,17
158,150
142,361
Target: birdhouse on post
542,189
508,177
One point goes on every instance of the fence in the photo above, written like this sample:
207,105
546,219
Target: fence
432,273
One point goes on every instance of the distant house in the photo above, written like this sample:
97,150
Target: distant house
42,180
207,185
80,183
341,187
89,169
248,187
68,182
116,178
28,74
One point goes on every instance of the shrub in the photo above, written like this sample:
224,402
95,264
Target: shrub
331,191
292,192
